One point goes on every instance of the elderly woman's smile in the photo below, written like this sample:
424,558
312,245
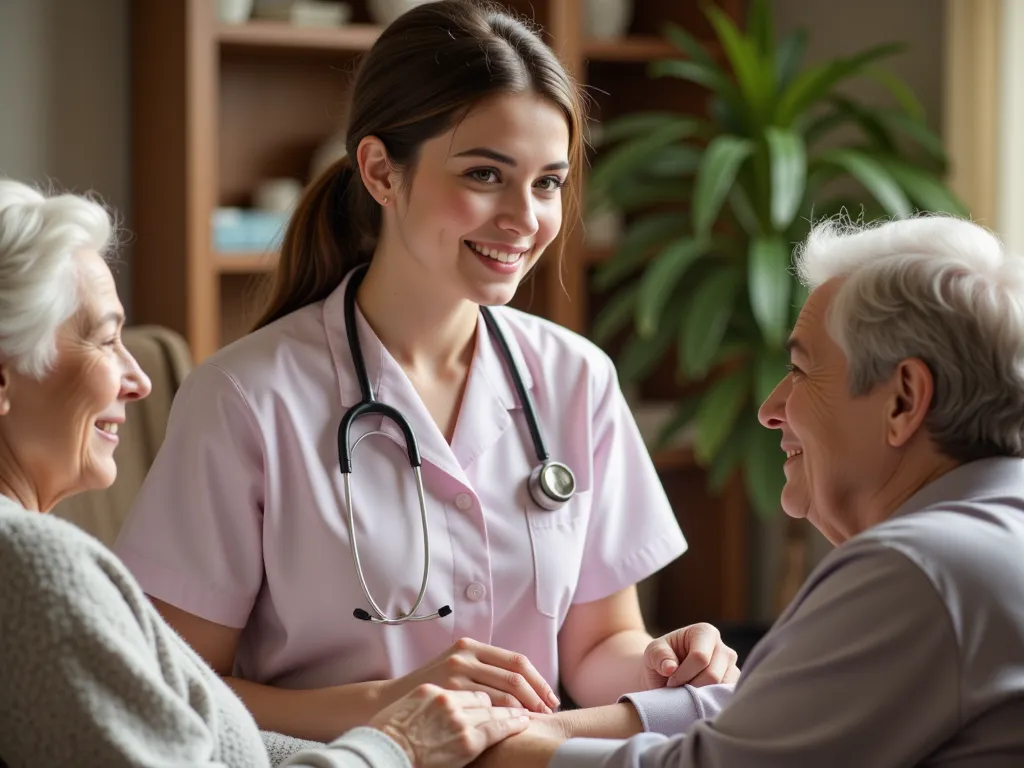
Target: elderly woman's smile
73,411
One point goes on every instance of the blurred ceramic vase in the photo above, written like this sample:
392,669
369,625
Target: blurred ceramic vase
386,11
234,11
606,19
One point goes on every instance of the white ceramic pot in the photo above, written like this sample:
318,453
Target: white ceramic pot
607,19
384,12
234,11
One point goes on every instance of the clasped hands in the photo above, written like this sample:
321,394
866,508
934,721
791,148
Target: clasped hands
473,696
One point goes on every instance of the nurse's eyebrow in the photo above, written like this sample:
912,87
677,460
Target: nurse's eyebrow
498,157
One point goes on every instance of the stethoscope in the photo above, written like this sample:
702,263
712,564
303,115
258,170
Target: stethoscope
551,483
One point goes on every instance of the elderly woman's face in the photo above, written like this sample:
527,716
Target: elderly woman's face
835,444
63,429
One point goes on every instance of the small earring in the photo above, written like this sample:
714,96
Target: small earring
384,201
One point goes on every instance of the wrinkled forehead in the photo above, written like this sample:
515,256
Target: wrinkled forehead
811,336
98,302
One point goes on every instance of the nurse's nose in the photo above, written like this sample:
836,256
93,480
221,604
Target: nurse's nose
518,215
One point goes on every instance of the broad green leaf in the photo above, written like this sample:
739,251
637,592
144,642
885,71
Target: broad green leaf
867,120
641,356
924,189
620,162
815,127
755,79
726,116
875,178
706,319
763,471
688,44
916,130
711,78
770,286
816,82
674,161
788,173
644,235
899,89
760,29
772,367
732,451
719,166
722,402
788,57
661,278
641,192
744,211
615,315
681,417
638,124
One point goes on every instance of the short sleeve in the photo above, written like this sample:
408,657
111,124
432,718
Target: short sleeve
194,535
633,532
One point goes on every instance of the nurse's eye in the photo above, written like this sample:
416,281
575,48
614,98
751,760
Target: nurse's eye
484,175
551,183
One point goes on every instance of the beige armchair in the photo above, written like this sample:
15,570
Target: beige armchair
165,357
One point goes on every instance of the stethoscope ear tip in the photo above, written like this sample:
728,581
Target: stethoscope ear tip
360,614
444,611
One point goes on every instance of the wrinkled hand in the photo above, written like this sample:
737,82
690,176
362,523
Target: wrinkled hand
447,729
508,678
694,655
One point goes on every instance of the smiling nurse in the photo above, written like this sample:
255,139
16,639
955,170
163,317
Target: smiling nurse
463,133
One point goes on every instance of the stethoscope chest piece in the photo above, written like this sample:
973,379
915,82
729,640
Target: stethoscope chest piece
551,485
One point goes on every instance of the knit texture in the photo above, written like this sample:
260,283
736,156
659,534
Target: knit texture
90,674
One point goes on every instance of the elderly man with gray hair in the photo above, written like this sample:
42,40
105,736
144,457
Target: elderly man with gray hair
902,418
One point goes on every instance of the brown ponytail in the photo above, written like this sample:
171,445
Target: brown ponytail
426,69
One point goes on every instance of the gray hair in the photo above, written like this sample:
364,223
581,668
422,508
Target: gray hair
939,289
40,237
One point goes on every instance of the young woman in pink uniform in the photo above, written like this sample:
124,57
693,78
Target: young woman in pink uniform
497,443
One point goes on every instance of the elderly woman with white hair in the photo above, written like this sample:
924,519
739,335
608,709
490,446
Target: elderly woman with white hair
89,672
902,419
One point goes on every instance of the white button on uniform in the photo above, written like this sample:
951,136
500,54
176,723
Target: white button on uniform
476,591
463,501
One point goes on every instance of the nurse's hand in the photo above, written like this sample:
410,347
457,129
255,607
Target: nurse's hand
447,729
508,678
693,655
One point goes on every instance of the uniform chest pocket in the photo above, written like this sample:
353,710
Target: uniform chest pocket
558,540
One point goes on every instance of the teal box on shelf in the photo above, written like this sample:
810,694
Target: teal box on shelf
241,229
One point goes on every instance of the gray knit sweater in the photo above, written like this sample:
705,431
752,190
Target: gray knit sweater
91,675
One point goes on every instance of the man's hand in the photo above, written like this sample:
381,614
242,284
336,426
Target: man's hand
693,655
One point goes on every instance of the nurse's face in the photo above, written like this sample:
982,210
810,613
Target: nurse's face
485,198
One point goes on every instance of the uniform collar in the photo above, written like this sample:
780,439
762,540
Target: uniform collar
489,394
487,357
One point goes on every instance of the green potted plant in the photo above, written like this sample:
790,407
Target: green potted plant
716,204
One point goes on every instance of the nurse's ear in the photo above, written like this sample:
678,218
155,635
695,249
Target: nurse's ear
376,169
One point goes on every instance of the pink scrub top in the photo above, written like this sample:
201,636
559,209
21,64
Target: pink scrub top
241,520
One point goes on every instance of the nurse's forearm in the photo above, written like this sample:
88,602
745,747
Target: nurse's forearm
611,668
320,714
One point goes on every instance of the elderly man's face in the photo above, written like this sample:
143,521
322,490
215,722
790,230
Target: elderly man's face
836,443
63,429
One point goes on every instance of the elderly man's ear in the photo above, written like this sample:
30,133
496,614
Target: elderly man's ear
911,397
5,401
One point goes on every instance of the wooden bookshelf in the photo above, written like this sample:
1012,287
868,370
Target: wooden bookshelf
217,108
278,34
